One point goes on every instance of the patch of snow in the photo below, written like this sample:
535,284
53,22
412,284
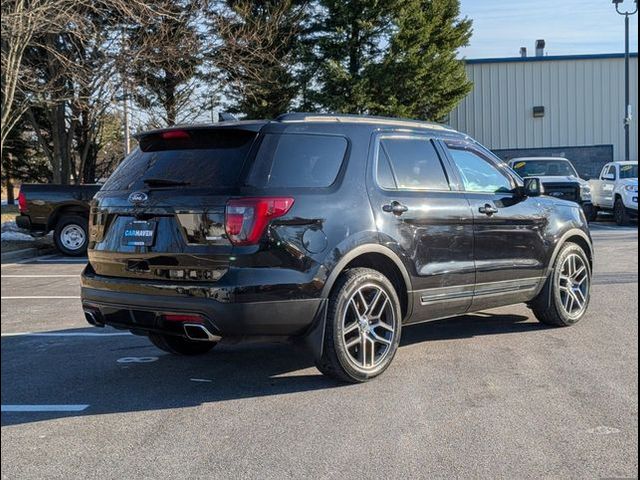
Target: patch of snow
11,233
10,227
10,236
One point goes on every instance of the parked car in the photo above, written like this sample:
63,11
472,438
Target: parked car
335,230
616,189
559,178
63,209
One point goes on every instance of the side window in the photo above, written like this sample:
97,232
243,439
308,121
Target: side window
612,171
410,163
297,160
478,174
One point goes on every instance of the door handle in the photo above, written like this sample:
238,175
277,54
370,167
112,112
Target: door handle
488,210
395,207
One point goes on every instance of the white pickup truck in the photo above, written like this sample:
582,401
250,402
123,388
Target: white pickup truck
616,189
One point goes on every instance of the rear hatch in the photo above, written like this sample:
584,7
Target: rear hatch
161,214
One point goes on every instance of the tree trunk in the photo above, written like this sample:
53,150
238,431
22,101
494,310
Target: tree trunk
8,168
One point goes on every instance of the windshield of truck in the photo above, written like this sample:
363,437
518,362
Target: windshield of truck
544,168
629,171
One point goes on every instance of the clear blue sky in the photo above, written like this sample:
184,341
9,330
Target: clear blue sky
501,27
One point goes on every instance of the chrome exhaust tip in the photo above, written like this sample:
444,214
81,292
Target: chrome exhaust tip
93,317
200,333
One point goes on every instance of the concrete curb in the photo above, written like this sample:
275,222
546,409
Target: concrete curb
24,254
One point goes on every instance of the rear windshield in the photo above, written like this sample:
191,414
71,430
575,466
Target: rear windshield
297,160
196,158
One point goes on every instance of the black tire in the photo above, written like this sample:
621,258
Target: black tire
337,361
67,224
620,213
180,345
591,212
548,305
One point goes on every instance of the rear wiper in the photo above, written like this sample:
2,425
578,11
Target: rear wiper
164,182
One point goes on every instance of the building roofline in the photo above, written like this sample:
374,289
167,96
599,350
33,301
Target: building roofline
549,58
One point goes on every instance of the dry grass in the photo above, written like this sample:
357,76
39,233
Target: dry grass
9,213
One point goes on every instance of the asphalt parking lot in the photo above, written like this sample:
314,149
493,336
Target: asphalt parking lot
494,395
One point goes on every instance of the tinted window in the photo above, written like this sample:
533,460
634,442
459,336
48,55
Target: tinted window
292,160
204,158
478,174
410,163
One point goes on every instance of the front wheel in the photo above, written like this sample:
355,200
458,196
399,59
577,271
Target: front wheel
180,345
591,212
363,328
566,295
620,213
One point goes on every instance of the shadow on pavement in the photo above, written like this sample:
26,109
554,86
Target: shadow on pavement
62,370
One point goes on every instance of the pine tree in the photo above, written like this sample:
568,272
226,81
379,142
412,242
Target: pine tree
350,38
420,75
257,54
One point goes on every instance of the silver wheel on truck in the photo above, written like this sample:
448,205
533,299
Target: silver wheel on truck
71,235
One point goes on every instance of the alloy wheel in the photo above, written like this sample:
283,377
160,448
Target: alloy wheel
369,327
573,285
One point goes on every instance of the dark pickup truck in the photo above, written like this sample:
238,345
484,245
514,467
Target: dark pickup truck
61,208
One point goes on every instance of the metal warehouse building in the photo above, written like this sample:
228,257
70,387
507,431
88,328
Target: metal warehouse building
570,106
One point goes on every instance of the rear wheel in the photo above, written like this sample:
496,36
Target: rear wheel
71,235
180,345
620,213
363,328
566,295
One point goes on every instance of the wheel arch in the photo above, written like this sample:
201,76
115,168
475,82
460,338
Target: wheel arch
67,209
370,255
578,237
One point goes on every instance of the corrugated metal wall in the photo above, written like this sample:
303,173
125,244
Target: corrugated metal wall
583,100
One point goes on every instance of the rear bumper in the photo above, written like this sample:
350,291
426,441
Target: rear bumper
112,302
24,222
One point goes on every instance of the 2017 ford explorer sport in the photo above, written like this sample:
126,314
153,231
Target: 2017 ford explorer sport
335,230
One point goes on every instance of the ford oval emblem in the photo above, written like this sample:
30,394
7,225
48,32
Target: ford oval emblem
138,197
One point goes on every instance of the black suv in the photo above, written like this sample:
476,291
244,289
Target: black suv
336,230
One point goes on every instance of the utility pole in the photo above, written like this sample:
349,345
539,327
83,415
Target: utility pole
125,98
627,100
127,127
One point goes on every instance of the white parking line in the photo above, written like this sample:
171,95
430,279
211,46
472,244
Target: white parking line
68,334
44,408
37,297
40,276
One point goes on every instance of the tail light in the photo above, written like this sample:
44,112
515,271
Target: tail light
246,218
22,202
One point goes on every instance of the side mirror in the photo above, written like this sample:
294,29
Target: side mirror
609,177
533,187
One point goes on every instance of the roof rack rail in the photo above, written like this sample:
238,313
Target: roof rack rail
226,117
354,118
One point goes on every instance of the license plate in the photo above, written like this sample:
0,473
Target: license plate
139,233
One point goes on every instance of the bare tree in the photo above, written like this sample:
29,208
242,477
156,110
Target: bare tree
60,55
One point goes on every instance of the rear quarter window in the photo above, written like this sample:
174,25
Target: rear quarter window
297,160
